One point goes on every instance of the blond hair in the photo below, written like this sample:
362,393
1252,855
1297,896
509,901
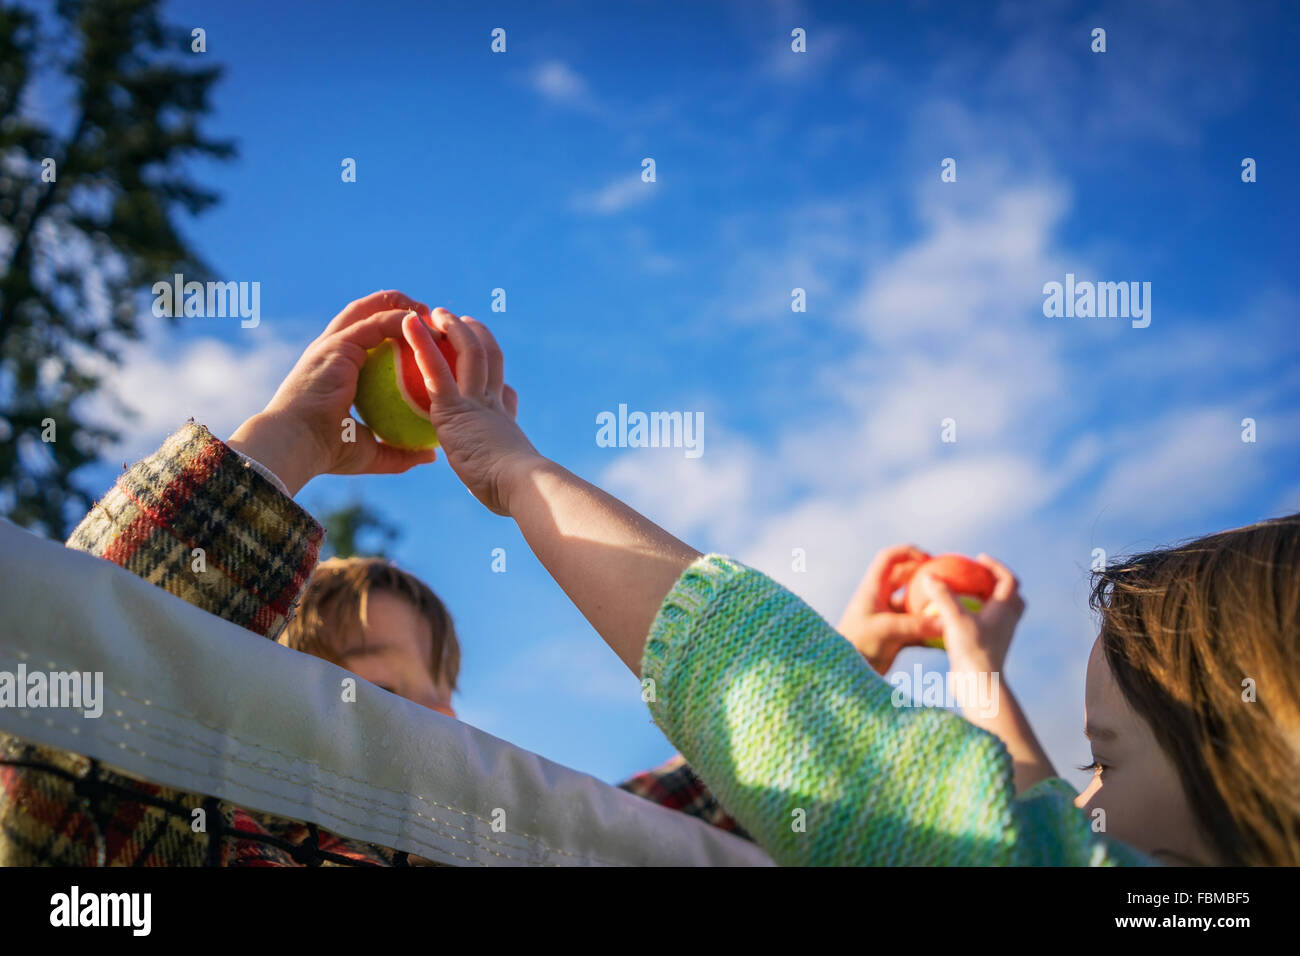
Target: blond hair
335,604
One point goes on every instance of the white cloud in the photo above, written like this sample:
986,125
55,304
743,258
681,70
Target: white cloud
165,383
1161,94
712,495
642,250
573,667
957,506
986,265
824,45
1190,461
951,311
950,325
556,81
818,243
769,26
615,196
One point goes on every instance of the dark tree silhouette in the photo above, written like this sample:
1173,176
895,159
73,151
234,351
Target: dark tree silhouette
83,240
349,528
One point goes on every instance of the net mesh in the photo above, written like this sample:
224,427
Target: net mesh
63,809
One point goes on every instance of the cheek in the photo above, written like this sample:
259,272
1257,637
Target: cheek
361,669
1116,808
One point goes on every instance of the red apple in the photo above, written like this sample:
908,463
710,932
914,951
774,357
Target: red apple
391,396
412,380
970,582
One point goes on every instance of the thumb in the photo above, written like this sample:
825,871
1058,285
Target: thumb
950,612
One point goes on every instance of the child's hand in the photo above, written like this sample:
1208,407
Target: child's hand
874,622
300,432
978,642
474,412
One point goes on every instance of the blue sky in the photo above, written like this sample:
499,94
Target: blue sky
776,170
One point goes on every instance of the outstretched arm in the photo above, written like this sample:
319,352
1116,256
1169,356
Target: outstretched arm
799,738
196,496
977,647
615,565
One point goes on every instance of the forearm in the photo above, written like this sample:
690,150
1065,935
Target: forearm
613,563
1002,716
285,451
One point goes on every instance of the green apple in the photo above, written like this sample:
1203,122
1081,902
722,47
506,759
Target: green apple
392,405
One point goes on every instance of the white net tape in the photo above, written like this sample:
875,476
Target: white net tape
196,703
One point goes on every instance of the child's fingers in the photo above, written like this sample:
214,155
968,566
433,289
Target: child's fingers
1007,587
392,461
889,570
900,573
1006,591
951,613
897,553
882,636
510,398
369,456
471,357
372,330
904,566
496,361
384,301
437,374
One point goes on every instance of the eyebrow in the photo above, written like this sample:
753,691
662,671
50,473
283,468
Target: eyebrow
1094,732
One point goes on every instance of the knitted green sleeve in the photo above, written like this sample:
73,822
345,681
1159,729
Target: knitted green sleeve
801,741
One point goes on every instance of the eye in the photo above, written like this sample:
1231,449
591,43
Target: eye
1095,767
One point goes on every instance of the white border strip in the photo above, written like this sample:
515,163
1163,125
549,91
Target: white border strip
199,704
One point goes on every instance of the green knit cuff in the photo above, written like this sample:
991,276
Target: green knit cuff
1053,831
675,623
1052,785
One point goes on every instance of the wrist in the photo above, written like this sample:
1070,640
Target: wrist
973,663
286,450
518,472
979,676
979,685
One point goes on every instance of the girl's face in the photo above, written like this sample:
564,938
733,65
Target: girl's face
1134,783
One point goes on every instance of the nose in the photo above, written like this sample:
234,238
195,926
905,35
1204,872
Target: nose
1090,791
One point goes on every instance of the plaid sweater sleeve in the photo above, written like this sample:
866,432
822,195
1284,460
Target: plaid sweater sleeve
673,784
194,499
803,744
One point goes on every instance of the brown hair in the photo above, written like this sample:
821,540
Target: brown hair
334,604
1204,643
